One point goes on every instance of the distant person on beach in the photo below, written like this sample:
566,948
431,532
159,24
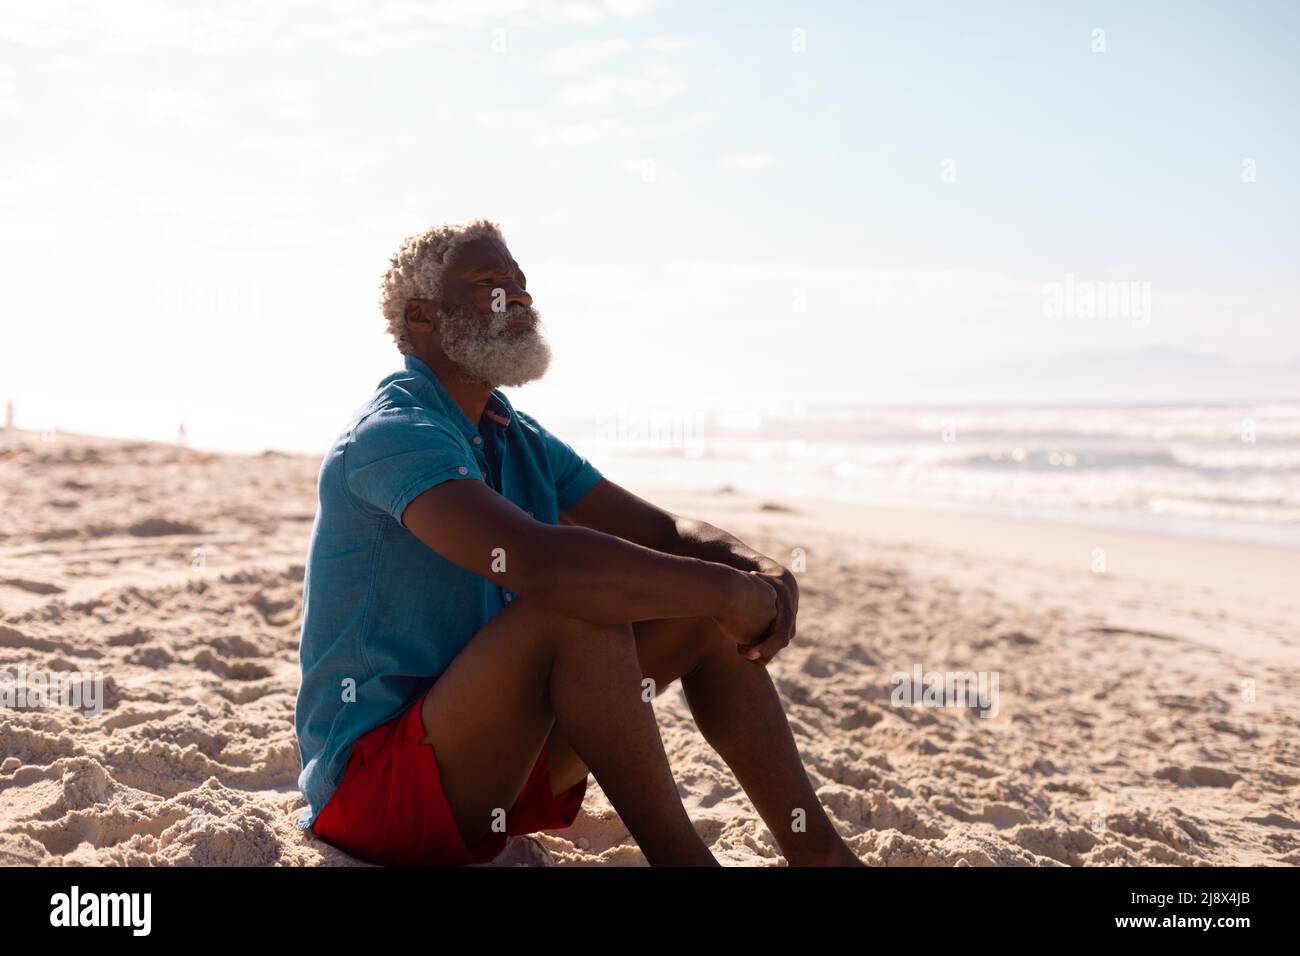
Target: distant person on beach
486,619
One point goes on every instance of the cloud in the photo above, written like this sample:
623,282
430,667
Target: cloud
355,27
511,119
669,44
628,8
312,154
651,170
211,210
936,294
572,134
652,85
43,180
616,131
746,161
237,220
582,55
169,106
127,25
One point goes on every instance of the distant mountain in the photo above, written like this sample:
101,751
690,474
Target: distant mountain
1154,374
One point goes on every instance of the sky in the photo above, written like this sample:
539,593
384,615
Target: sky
718,205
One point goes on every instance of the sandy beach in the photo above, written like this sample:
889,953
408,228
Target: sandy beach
1147,707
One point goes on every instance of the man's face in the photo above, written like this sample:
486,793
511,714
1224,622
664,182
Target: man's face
486,320
481,274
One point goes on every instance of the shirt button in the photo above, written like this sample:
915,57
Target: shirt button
463,470
509,597
478,439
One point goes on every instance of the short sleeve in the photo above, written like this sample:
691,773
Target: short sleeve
397,453
574,475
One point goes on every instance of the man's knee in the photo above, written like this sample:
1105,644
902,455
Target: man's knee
673,647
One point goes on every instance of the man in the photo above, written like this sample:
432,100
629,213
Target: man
483,612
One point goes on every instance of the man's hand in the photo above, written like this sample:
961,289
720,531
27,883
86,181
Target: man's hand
615,510
751,611
782,629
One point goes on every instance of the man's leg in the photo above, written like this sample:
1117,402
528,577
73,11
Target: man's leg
528,671
738,711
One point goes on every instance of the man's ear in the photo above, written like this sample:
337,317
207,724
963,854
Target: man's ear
420,312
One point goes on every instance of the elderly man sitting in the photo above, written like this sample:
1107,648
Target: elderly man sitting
486,618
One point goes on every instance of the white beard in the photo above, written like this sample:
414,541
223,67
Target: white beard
488,351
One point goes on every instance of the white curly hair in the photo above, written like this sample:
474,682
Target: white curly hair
415,271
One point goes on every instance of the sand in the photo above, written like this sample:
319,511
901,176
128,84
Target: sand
1147,709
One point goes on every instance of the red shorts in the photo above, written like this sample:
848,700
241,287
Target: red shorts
390,809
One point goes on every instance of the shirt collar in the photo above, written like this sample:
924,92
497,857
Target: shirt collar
498,408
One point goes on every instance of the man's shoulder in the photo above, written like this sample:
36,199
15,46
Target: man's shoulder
396,403
397,424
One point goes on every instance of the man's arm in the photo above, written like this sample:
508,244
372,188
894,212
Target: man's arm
582,572
614,510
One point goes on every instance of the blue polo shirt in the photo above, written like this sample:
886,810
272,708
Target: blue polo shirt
383,614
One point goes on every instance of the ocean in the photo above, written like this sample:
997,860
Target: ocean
1226,471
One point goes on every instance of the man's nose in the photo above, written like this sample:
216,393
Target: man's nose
515,294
